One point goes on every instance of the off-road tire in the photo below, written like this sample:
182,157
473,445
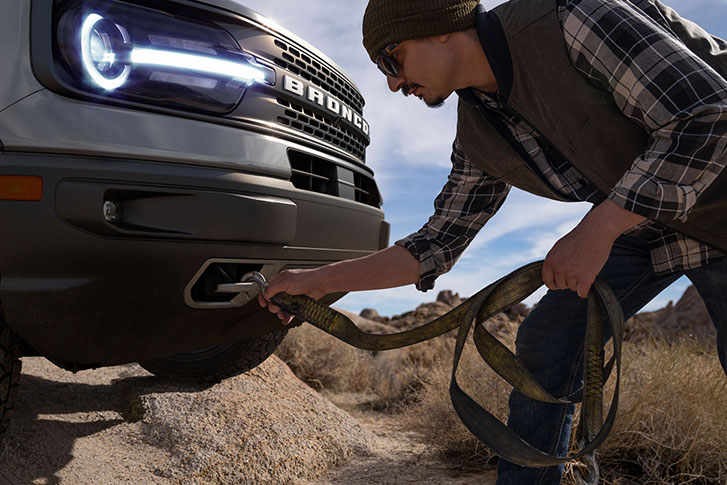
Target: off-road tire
10,366
216,363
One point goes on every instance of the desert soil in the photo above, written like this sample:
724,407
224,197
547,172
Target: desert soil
398,455
82,429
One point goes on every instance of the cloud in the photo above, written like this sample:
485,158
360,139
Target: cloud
404,132
525,211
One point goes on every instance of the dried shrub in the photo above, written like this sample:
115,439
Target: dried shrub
670,426
394,376
433,416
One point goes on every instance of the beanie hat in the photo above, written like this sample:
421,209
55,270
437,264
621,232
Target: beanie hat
388,21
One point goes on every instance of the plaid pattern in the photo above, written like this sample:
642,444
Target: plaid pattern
467,201
557,171
627,48
663,87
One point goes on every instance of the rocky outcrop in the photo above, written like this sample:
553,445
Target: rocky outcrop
687,319
502,324
121,425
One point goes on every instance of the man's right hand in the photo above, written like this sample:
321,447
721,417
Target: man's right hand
387,268
292,282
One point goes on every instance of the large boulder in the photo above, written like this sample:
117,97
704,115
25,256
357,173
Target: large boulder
121,425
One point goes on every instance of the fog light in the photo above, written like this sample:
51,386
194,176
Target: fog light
112,211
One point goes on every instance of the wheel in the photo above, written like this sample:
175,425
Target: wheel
216,363
9,373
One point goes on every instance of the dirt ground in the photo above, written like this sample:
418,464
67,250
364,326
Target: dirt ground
399,456
76,429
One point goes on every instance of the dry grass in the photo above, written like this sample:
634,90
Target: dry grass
671,425
395,377
433,416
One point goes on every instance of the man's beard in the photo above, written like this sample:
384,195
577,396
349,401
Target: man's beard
407,89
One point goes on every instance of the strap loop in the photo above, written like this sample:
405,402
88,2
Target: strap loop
500,295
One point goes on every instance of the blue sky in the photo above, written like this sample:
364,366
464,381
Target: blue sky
409,152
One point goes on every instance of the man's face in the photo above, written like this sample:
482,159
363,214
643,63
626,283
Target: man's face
424,67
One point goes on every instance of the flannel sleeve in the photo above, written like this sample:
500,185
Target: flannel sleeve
467,201
660,84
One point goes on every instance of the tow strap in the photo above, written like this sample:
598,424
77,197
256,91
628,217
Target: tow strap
499,296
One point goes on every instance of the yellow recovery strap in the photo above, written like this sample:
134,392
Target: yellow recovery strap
499,296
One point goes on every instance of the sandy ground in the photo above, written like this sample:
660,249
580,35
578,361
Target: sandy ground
75,429
399,456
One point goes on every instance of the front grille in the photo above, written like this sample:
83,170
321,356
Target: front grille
316,72
307,121
324,177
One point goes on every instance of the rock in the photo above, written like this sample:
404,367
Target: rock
502,326
687,319
121,425
262,427
517,312
451,299
423,314
373,315
369,313
379,325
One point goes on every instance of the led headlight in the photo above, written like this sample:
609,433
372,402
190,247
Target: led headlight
139,54
100,45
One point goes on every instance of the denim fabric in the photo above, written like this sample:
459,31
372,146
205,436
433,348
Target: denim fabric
550,343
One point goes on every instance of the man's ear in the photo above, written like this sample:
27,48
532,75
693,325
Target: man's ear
443,38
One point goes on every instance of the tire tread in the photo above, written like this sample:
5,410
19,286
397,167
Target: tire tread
238,359
10,367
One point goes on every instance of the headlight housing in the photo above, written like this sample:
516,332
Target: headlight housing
133,53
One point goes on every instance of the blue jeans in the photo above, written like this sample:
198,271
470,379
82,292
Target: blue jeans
550,343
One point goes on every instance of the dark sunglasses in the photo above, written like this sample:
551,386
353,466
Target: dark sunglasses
386,63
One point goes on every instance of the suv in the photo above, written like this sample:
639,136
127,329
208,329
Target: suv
152,152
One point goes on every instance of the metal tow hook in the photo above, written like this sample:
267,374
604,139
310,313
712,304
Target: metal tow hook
247,285
257,278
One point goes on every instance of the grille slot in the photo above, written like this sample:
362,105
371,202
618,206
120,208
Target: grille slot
324,177
316,72
317,125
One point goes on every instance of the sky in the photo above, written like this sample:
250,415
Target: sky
410,155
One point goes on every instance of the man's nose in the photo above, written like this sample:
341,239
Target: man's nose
395,83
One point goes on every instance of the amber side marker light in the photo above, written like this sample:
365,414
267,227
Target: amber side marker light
21,187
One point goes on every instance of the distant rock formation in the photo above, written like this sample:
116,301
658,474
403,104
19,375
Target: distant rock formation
687,319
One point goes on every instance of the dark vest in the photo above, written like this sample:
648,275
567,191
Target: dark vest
580,121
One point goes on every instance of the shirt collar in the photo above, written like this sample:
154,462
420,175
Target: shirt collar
494,43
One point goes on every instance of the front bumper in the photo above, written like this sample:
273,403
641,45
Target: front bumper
81,289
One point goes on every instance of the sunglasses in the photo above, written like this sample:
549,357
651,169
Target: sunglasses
386,63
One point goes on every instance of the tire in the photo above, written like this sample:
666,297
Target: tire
216,363
10,366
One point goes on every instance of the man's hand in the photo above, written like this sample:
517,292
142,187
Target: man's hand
577,258
292,282
387,268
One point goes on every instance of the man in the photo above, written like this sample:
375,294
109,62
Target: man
617,102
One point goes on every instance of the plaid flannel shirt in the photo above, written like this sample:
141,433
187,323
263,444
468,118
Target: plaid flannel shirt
627,48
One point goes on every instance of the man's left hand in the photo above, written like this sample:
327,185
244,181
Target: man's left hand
577,258
575,261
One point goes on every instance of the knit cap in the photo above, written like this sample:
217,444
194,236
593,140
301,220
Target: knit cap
388,21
